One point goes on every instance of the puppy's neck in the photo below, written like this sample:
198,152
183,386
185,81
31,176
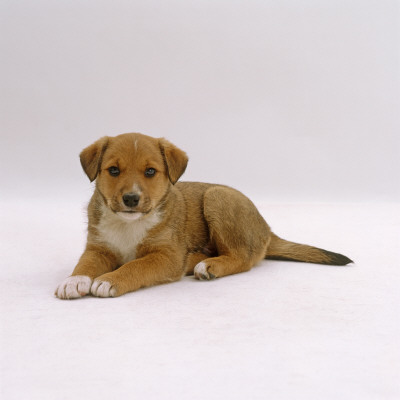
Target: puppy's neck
121,235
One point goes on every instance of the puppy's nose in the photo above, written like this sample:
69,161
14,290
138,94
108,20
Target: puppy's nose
131,199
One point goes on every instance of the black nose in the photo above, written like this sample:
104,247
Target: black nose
131,199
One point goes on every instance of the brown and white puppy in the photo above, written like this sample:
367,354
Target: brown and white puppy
145,228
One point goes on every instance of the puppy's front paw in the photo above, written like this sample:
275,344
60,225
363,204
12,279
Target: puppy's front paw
201,271
102,288
74,287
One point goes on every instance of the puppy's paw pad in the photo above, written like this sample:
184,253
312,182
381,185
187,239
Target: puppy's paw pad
74,287
102,289
201,272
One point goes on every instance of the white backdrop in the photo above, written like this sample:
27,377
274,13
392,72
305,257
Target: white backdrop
289,101
286,100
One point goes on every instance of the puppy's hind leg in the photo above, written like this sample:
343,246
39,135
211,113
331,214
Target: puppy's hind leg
214,267
192,260
237,231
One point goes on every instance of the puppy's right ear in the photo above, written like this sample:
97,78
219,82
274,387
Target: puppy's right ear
91,157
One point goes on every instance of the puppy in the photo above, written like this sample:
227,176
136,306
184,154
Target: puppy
144,228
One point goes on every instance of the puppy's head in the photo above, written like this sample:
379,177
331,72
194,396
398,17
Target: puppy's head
133,172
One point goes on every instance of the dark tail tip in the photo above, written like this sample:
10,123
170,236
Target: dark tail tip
336,258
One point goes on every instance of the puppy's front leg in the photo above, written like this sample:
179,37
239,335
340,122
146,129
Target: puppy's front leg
95,261
151,269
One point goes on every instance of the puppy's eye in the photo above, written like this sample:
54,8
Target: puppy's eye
150,172
114,171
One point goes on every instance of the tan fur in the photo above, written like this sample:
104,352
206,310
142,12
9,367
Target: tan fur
174,229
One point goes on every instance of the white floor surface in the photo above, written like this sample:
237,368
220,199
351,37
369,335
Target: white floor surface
281,331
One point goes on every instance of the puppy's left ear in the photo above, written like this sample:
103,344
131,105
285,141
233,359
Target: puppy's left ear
91,157
175,159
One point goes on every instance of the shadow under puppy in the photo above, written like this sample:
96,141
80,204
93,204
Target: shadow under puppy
145,228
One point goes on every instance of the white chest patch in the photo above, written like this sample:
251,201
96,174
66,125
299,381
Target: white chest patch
122,235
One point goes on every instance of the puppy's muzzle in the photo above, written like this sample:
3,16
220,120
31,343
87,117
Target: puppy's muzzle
131,199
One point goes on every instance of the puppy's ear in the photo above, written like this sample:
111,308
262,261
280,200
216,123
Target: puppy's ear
91,157
175,159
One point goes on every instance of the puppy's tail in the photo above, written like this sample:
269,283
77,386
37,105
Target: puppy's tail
280,249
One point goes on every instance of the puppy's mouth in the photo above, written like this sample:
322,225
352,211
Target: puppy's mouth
130,215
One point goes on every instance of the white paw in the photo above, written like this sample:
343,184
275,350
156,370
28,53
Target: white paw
201,272
102,289
74,287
